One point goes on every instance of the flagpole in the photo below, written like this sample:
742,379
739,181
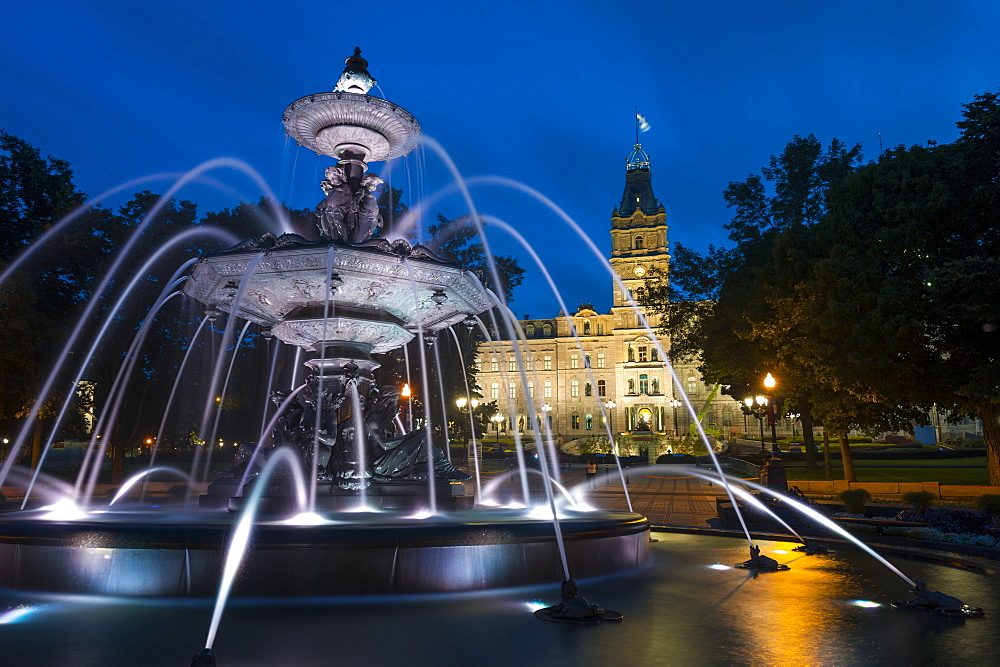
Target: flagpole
637,126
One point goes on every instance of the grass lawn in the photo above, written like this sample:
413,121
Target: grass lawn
946,471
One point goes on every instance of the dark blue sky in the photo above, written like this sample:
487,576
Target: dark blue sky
541,92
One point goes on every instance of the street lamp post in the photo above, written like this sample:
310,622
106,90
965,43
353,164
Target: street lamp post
758,408
547,409
611,405
791,419
408,395
674,403
496,419
472,404
769,383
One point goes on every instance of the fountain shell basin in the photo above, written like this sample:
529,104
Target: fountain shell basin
338,122
378,300
142,555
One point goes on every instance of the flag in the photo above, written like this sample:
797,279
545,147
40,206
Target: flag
643,125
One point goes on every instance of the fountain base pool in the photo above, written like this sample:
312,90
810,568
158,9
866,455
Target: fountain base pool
146,555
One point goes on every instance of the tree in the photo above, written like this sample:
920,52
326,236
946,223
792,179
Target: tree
739,309
917,241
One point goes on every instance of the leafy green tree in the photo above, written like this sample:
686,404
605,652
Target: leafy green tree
738,310
915,242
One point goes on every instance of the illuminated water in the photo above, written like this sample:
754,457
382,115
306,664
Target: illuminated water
677,611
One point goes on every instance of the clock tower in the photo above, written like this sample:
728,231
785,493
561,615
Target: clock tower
638,236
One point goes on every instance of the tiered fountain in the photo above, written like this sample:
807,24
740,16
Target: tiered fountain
344,298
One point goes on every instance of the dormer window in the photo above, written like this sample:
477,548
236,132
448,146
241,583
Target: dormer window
638,240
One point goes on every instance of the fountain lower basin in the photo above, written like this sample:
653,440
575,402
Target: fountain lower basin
143,555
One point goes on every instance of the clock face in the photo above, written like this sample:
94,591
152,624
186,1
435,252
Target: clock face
639,271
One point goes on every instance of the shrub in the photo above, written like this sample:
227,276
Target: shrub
989,504
920,500
854,500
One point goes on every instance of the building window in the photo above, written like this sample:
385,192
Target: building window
589,422
531,390
638,243
574,361
588,389
547,389
574,421
574,388
600,328
643,354
602,388
692,385
547,363
640,294
512,365
494,365
529,330
600,360
547,330
586,328
511,390
643,384
494,391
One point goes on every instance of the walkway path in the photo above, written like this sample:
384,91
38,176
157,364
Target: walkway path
666,498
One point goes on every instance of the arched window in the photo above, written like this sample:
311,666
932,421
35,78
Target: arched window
643,384
586,328
547,330
589,420
574,421
529,330
638,243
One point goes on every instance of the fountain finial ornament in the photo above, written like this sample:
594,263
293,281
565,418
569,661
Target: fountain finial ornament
355,78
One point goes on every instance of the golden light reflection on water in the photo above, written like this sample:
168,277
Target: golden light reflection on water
804,602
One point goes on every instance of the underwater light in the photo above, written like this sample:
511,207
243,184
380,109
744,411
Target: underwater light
360,509
779,551
16,614
719,566
515,506
422,514
489,502
64,510
541,512
305,519
867,604
534,605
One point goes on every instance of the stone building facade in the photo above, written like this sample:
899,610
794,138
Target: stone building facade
575,366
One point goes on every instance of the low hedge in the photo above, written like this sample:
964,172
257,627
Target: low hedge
889,453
